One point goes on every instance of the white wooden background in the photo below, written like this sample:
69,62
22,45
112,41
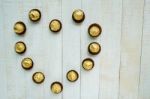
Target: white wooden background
122,69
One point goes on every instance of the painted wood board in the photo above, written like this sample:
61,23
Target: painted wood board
71,48
122,67
132,23
144,89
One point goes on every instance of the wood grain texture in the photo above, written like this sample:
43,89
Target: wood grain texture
34,41
53,47
90,79
132,23
11,64
3,83
121,69
144,89
103,81
111,12
71,48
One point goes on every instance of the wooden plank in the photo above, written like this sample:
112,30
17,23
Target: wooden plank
144,90
45,48
71,48
111,13
53,47
3,82
12,70
90,79
33,39
102,82
132,24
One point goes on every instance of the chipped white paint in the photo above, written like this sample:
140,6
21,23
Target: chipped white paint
121,70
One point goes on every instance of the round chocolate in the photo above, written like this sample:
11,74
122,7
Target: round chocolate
27,63
72,75
88,64
55,25
19,28
56,87
94,48
38,77
34,15
94,30
20,47
78,16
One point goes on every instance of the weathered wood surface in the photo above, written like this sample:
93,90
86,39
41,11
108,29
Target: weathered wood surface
121,70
